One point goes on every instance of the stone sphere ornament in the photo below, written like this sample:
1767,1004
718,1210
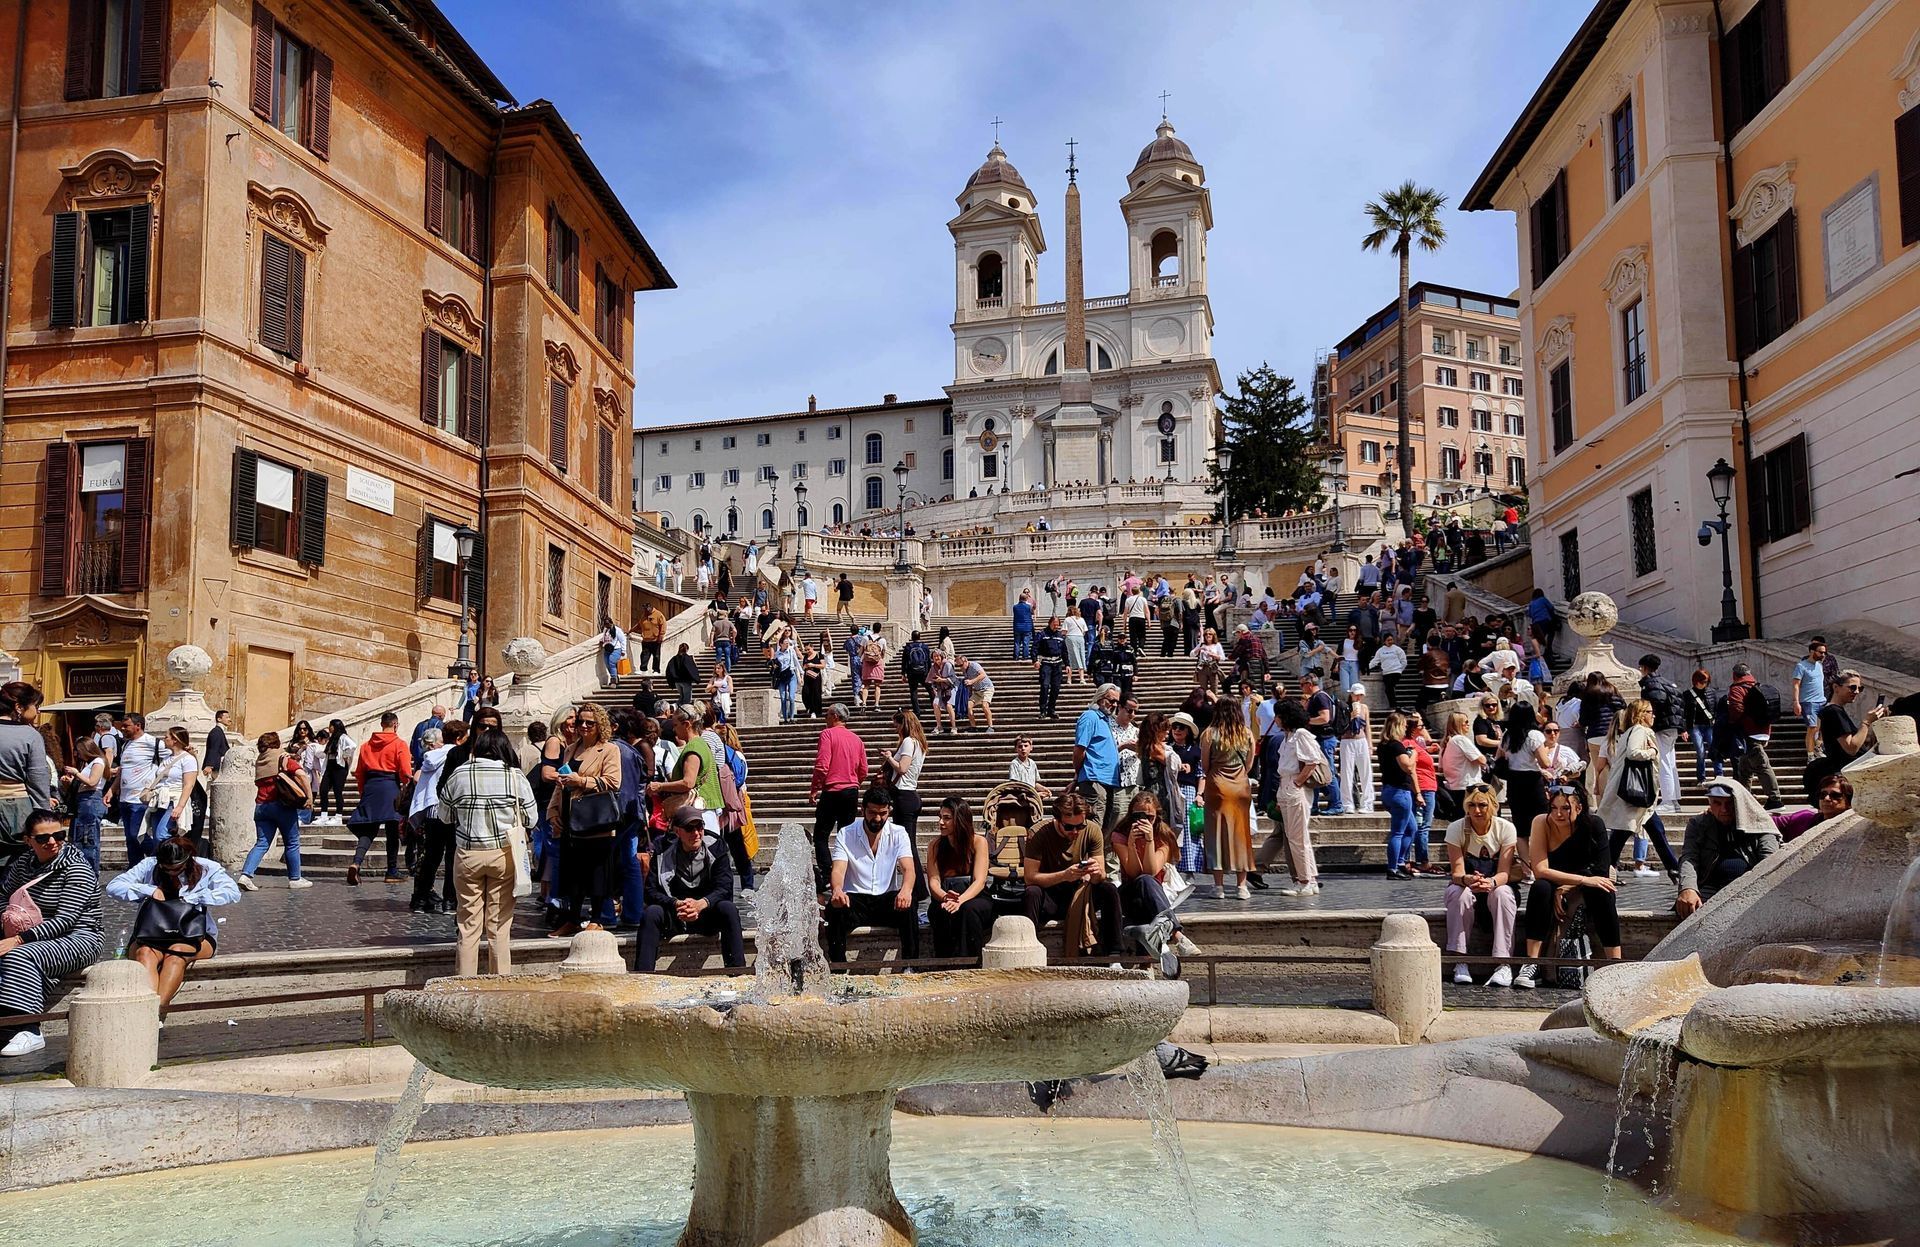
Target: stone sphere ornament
524,655
188,664
1593,615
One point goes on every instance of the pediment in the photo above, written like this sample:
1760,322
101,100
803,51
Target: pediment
996,215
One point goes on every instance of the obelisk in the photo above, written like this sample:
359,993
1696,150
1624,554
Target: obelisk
1076,426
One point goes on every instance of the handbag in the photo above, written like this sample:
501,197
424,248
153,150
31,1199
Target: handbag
1573,946
593,814
23,912
1636,783
170,922
522,856
289,788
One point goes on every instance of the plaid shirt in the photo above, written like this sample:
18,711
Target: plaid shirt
483,800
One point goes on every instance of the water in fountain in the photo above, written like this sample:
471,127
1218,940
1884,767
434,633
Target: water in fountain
789,961
386,1157
1900,942
1149,1086
1649,1056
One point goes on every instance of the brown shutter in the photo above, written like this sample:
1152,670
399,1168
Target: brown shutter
480,238
553,252
473,397
423,561
139,258
475,586
436,188
470,242
83,48
134,508
154,29
1906,157
1773,45
1786,250
1746,313
64,298
1562,225
296,303
276,258
557,423
243,527
260,91
56,524
313,519
320,101
600,302
606,464
1733,103
1799,485
430,378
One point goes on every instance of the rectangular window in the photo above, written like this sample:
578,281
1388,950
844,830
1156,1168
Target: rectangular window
1766,285
609,310
1482,381
603,593
769,473
1513,424
989,467
1549,232
277,508
563,259
603,481
1483,464
799,472
1482,420
93,523
1633,351
946,464
283,296
908,459
1516,472
1785,504
1443,344
450,387
1560,404
836,467
1646,551
115,47
1508,355
440,573
100,267
728,443
292,87
1512,387
1369,452
730,476
1570,564
696,480
289,84
1167,451
909,427
833,432
1906,159
664,445
1476,348
1621,128
763,439
559,432
664,483
696,445
455,199
1446,376
1753,63
556,582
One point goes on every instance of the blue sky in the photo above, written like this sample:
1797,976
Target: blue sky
794,163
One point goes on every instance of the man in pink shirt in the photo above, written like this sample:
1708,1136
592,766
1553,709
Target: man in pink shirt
839,771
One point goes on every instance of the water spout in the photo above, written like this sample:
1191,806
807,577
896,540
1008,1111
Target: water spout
1149,1086
789,961
1650,1054
1900,941
386,1156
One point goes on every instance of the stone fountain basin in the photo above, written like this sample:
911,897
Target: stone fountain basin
614,1030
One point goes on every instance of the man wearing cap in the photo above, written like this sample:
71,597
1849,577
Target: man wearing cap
1096,753
1050,660
1733,836
839,768
690,890
872,878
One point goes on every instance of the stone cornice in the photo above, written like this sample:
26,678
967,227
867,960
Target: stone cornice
287,213
108,175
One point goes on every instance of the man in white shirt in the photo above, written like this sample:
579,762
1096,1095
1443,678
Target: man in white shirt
141,757
872,878
809,596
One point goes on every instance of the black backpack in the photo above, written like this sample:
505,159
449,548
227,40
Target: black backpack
1767,713
918,659
1662,695
1342,718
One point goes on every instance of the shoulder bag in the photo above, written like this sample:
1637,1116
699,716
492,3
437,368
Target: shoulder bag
167,923
522,856
1636,783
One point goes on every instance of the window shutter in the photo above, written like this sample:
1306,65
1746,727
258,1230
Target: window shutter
423,561
430,378
473,408
472,215
1773,45
606,464
600,303
1733,104
134,504
1562,226
139,259
260,91
313,519
276,263
436,188
296,303
1799,499
244,532
1786,252
64,303
475,586
1536,225
1906,156
153,45
557,423
553,253
55,520
83,44
1746,312
320,100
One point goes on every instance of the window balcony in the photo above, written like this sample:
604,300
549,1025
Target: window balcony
96,566
989,302
1165,280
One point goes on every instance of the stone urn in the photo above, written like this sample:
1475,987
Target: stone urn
186,706
1592,616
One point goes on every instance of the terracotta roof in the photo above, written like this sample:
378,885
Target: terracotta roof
1165,147
450,58
544,114
997,169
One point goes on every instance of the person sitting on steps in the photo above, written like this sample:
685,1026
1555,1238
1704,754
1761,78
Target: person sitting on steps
173,930
1065,869
690,889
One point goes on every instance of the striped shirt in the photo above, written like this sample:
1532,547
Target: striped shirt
70,900
483,800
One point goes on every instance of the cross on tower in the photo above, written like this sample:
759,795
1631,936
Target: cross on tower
1164,96
996,131
1072,167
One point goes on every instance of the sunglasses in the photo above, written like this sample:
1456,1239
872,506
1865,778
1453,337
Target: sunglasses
1550,731
1560,790
1074,826
51,837
1832,794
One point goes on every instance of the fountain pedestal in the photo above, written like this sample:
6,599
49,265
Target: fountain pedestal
771,1171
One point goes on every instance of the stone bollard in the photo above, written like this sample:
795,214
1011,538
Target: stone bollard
1406,975
230,805
113,1026
594,952
1013,946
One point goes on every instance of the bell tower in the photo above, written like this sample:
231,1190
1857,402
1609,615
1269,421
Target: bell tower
1168,211
997,243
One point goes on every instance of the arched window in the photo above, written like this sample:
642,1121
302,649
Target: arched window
1164,251
989,277
733,520
766,518
800,518
876,494
839,513
699,524
876,449
1098,354
1031,288
1053,364
666,521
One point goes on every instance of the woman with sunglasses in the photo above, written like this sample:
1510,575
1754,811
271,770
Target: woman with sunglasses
60,883
1568,848
167,947
1833,797
1631,739
1480,853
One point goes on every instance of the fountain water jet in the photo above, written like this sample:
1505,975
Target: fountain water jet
791,1093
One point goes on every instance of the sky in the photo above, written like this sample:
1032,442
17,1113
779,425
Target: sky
794,162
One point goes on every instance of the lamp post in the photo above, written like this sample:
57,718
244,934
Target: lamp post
733,517
1223,457
1393,495
464,540
1336,473
799,507
900,565
1720,479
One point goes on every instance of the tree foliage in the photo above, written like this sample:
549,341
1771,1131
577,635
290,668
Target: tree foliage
1269,430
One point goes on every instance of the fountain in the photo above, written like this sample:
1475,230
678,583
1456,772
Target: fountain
790,1076
1790,1098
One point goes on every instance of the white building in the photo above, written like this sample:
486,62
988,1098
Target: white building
1114,388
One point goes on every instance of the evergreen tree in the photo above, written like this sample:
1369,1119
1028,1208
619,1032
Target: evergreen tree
1269,429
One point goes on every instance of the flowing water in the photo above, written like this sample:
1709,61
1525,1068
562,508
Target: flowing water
1900,941
1149,1087
789,961
386,1157
1649,1058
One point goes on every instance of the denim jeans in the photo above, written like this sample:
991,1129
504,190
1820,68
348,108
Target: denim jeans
86,828
1349,676
1023,643
1331,792
1703,753
270,817
633,899
786,697
133,821
1423,811
1403,826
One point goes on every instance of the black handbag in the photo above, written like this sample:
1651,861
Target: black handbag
593,814
170,922
1636,783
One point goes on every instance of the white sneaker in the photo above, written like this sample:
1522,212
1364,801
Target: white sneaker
247,884
1503,977
1462,975
1527,979
293,884
1219,893
1245,893
1644,870
23,1043
1184,946
1300,889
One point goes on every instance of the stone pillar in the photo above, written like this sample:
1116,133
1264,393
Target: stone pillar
903,607
113,1026
1593,615
523,656
1014,945
230,804
1406,975
594,952
186,706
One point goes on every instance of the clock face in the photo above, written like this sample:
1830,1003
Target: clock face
989,354
1166,422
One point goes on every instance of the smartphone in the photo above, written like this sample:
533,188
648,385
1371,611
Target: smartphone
1882,700
1086,861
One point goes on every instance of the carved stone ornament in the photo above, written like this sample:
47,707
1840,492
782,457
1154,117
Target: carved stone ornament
1199,394
1766,195
1684,23
607,403
450,315
109,174
1131,400
1627,277
188,665
1556,342
1021,411
524,655
1907,74
85,629
561,360
287,213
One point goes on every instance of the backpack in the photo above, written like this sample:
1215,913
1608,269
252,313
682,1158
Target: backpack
1165,610
1767,713
733,809
1728,741
1661,695
918,659
1342,719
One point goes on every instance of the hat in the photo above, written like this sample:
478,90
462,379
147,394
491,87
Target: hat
1358,690
1719,790
1182,719
687,816
1240,628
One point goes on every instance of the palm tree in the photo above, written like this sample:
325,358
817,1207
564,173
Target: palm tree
1408,214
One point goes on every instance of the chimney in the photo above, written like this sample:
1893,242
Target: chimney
888,400
813,404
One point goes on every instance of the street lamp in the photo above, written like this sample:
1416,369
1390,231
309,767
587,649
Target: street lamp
733,517
464,540
799,508
1223,457
1336,473
1483,454
900,565
1720,479
1393,495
